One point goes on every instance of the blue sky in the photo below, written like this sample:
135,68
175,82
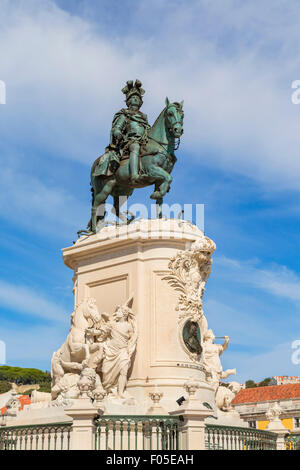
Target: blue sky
233,62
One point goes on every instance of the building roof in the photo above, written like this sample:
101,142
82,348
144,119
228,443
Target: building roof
24,400
271,393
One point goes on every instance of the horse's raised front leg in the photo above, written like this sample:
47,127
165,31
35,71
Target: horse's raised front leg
79,353
163,181
159,203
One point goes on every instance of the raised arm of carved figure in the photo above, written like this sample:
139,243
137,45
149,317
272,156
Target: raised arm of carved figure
225,345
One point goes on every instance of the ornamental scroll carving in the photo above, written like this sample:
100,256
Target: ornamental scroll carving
189,271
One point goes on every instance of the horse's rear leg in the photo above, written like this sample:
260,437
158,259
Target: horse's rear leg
118,203
98,209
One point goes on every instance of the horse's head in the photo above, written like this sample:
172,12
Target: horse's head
174,118
90,310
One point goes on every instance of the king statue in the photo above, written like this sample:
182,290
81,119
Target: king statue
137,156
130,126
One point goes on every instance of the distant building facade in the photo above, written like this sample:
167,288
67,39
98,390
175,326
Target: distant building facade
253,403
284,379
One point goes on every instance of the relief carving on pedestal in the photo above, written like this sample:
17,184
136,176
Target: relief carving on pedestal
189,271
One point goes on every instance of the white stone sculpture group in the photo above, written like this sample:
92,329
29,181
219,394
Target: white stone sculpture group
189,271
96,356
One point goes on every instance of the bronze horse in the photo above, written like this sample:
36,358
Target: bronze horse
157,160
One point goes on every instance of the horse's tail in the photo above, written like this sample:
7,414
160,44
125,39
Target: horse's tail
89,225
94,166
93,194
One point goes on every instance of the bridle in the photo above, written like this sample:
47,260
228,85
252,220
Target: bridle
165,144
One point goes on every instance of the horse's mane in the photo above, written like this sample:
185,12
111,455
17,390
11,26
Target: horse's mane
160,116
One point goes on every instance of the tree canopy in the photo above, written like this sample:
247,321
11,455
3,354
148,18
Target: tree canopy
4,386
263,383
24,376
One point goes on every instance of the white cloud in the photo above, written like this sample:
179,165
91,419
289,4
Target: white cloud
32,347
233,64
241,324
281,282
261,327
39,204
29,302
256,347
61,78
275,279
276,361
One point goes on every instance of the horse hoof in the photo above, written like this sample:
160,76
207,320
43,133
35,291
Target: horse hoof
155,195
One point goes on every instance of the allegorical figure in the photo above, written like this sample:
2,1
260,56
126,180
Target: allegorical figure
211,358
118,350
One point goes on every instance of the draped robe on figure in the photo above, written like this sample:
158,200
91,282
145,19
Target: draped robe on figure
117,356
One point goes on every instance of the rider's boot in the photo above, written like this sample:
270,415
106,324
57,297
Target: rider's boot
134,163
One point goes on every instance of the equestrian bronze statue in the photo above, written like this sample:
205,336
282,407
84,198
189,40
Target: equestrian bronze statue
137,156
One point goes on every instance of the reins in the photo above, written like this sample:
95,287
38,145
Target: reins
165,144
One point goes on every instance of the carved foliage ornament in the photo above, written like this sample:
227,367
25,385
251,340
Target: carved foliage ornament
189,271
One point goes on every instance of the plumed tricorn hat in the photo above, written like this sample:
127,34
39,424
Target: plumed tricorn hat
133,89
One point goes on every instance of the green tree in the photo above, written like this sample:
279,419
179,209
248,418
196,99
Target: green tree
265,382
45,387
250,384
4,386
24,375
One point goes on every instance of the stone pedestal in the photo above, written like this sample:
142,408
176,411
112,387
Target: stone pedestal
120,261
277,427
83,429
193,429
194,414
